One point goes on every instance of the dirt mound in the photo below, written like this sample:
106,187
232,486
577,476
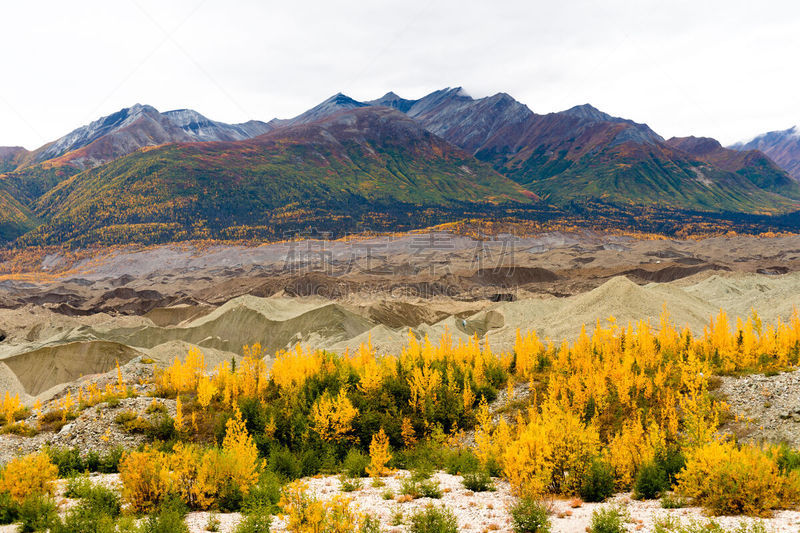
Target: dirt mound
513,276
671,273
10,382
176,314
128,301
562,318
402,314
45,368
275,323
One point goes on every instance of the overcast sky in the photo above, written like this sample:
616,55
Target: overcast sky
726,69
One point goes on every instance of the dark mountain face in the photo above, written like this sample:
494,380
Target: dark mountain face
390,99
783,147
336,103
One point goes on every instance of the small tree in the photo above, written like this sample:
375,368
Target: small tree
379,454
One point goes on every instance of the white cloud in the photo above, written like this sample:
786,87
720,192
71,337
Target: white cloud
713,67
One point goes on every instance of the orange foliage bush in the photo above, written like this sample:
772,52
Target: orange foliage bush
28,475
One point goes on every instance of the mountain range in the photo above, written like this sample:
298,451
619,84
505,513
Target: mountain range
150,176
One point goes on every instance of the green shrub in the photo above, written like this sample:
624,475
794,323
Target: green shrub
108,463
668,524
311,463
230,498
608,520
68,461
425,456
672,501
598,483
433,519
77,486
672,461
258,522
103,500
370,524
9,509
430,489
92,461
461,462
529,516
162,428
213,523
427,488
349,484
479,481
355,464
494,467
264,495
651,481
170,518
83,518
422,472
156,407
37,513
284,463
124,418
409,487
787,459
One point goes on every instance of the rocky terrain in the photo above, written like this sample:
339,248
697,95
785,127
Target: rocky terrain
765,408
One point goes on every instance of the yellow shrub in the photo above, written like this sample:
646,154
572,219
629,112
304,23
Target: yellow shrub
728,479
11,405
240,454
205,391
27,475
197,475
629,449
333,417
408,433
379,454
527,462
573,447
491,442
145,477
306,514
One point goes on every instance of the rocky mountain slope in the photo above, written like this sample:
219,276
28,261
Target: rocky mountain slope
136,127
783,147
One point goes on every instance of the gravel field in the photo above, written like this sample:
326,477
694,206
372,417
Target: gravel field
478,512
